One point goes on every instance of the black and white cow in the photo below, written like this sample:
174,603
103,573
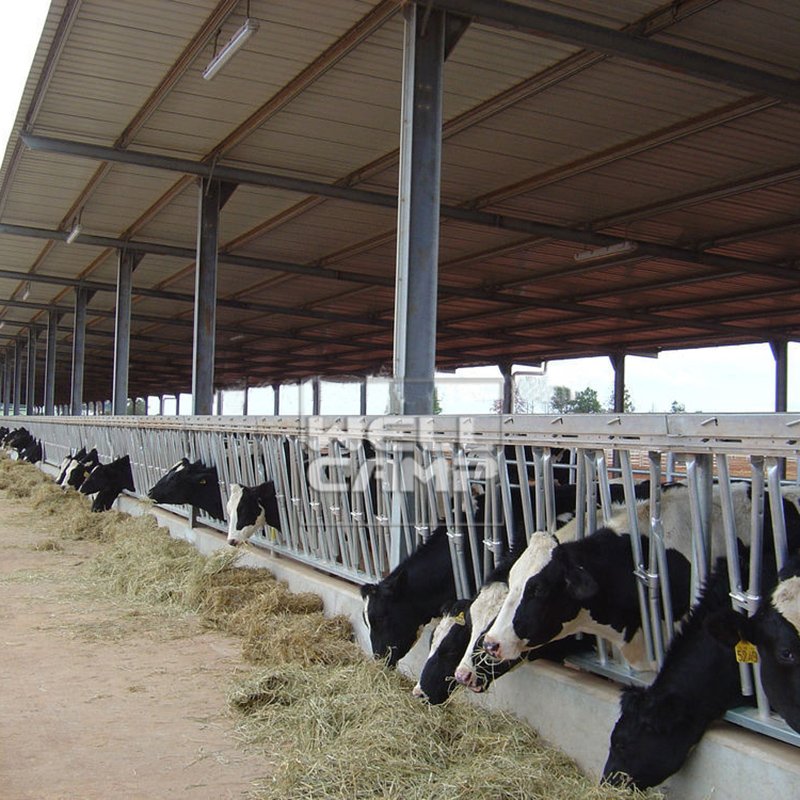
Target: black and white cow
80,468
249,509
775,631
559,589
412,594
106,482
66,464
699,679
456,654
32,452
192,483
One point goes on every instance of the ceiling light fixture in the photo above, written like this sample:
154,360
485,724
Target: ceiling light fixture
75,231
27,291
600,253
238,39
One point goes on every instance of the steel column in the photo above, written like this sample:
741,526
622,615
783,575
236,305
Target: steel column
363,397
126,263
276,398
507,406
418,212
30,381
316,395
7,378
205,297
78,351
17,376
780,350
618,363
50,363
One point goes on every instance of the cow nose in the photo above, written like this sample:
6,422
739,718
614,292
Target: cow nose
417,691
463,676
491,647
233,542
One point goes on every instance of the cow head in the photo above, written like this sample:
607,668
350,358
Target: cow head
506,639
249,509
476,669
775,630
449,640
190,483
80,469
652,738
107,481
389,617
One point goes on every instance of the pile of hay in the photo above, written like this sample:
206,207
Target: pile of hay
355,731
20,479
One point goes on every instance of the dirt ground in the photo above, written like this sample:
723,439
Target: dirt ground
103,700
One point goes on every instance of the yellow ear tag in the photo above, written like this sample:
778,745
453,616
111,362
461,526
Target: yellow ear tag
746,652
459,618
203,481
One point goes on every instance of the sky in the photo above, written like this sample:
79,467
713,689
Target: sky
725,380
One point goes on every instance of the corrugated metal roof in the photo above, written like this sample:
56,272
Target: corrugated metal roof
533,128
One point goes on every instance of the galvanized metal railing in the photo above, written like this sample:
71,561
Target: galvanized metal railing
356,494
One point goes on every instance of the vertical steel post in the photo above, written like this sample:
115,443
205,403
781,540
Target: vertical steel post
316,395
8,380
50,363
17,376
245,399
418,212
78,351
30,381
780,351
363,397
205,297
276,394
618,363
508,388
126,263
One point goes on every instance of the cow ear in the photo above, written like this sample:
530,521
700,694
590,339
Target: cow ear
369,589
729,627
580,584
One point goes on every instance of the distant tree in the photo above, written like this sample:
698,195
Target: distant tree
677,408
586,402
561,401
521,404
437,404
627,402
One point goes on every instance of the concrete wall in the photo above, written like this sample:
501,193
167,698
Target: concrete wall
572,710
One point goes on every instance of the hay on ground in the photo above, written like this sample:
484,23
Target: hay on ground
355,732
305,639
20,479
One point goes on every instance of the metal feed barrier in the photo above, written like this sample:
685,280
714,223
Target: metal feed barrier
357,494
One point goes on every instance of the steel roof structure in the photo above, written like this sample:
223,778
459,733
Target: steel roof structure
616,178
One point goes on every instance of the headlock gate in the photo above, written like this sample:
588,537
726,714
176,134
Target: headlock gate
356,494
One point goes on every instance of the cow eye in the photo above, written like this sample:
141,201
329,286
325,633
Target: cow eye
787,656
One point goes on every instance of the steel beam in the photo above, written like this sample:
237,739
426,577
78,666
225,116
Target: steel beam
631,47
418,219
78,351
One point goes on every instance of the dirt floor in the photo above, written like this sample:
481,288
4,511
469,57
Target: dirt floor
100,699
